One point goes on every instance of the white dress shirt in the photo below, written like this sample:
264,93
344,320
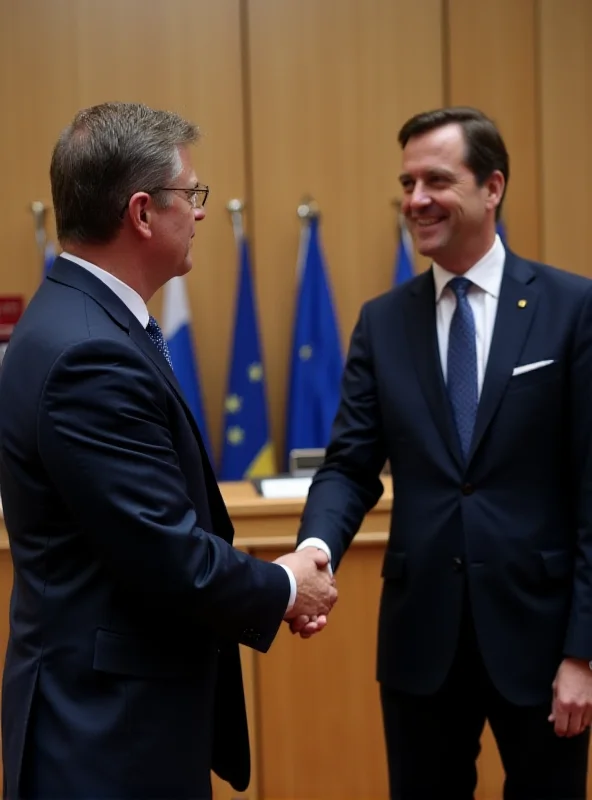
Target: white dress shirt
483,295
486,277
139,309
126,294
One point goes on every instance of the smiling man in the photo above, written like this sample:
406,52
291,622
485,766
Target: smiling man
474,379
122,676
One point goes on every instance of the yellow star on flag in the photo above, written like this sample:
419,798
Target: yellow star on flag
235,435
255,372
305,352
233,403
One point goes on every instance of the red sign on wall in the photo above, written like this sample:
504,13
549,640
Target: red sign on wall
11,308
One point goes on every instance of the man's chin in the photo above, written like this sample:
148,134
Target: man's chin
428,249
186,266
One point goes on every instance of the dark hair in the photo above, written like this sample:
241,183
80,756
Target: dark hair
485,147
107,153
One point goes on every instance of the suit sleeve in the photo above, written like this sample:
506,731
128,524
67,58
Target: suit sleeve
347,485
578,643
104,437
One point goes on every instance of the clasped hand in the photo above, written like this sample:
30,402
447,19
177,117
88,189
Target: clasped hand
316,592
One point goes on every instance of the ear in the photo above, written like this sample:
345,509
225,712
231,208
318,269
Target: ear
495,186
140,213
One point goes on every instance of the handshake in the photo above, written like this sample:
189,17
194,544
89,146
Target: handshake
316,593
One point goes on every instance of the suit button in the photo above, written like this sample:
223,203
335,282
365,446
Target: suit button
457,564
467,488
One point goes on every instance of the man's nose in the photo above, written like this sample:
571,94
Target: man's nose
199,213
419,197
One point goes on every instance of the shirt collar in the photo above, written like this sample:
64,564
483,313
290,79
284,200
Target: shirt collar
486,273
126,294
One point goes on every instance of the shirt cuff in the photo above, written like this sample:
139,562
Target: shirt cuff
293,589
312,541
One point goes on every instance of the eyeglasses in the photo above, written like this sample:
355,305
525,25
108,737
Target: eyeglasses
196,196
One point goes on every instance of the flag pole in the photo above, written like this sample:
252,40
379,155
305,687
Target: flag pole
307,211
308,208
39,211
235,208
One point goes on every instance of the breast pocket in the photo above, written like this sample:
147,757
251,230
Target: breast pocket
536,378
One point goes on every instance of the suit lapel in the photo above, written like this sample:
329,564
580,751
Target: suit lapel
515,313
144,342
218,507
420,322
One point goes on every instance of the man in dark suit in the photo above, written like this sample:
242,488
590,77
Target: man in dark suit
122,676
475,380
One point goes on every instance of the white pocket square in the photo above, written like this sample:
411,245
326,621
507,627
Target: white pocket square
530,367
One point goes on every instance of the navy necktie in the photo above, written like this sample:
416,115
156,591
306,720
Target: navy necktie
463,388
155,333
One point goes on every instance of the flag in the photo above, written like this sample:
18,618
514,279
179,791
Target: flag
501,231
49,254
247,449
176,329
317,360
404,256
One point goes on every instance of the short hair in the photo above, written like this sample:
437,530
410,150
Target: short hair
485,147
107,153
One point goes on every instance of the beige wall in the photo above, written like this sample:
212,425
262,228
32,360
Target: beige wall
296,97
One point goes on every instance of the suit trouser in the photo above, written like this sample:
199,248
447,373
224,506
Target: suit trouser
433,740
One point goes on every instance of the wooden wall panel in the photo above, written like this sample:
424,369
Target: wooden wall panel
320,737
330,85
183,55
491,64
38,91
565,49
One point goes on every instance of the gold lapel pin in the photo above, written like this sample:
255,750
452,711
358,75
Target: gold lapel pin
521,303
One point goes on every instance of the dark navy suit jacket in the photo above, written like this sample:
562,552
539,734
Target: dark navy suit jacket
512,527
122,676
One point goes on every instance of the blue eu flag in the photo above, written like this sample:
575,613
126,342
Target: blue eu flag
317,359
247,449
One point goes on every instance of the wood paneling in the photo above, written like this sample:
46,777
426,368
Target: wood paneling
184,55
565,65
330,85
38,93
321,736
491,64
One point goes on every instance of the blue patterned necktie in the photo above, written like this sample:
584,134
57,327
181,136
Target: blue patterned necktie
154,332
463,388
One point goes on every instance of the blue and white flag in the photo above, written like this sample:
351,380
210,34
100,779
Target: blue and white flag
176,328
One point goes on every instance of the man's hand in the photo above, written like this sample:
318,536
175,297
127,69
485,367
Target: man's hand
316,593
307,626
572,698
